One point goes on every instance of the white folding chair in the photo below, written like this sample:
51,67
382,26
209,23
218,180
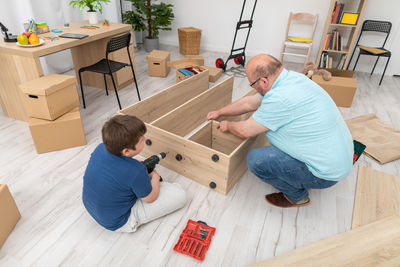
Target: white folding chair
299,43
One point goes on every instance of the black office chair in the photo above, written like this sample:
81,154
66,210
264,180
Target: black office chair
374,26
107,66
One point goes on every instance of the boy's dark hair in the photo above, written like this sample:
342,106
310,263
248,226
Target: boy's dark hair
122,131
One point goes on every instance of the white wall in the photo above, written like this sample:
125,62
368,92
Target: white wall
217,19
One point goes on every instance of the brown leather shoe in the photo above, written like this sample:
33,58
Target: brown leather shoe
281,201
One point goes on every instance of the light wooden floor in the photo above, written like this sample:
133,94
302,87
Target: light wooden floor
55,229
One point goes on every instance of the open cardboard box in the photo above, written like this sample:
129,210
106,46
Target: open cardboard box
214,73
342,87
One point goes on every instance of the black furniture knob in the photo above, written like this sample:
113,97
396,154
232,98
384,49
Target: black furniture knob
215,157
148,142
213,185
178,157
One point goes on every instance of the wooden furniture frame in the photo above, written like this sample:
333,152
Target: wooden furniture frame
302,18
176,123
342,28
19,64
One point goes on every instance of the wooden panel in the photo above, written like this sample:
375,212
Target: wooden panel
238,163
163,102
377,196
224,142
65,43
203,135
368,245
196,162
188,116
211,137
14,70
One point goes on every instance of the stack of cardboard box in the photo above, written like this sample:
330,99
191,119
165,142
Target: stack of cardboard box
52,104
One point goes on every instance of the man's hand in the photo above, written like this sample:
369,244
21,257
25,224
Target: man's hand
223,126
212,115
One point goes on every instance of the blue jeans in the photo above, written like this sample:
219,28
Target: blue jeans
287,174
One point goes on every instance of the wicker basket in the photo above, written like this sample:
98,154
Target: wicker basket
189,40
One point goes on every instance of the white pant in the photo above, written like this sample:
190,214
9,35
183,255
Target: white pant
170,198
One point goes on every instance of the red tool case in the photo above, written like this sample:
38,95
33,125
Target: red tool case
195,239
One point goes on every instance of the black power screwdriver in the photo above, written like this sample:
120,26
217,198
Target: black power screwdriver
152,161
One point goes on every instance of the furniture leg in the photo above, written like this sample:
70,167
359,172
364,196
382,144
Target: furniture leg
116,92
352,54
282,50
308,56
374,65
134,78
383,74
105,82
356,61
83,95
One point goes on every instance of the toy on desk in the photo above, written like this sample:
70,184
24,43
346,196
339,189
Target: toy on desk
91,27
30,26
50,38
56,30
106,23
41,27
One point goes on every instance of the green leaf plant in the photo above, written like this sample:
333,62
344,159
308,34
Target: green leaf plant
149,16
92,5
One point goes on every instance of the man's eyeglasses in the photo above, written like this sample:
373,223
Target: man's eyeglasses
253,83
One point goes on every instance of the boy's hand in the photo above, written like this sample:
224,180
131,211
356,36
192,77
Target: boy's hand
154,176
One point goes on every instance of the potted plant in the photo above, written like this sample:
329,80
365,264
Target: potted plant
92,5
150,17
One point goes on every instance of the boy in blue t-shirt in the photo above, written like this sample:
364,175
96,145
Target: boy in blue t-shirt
117,190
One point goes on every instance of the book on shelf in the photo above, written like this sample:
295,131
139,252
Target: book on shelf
337,13
342,60
334,41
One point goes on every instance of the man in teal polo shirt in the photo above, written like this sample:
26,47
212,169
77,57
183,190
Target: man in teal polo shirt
311,146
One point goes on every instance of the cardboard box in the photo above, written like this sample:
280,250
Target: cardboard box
198,58
158,63
342,87
215,73
50,96
9,213
64,132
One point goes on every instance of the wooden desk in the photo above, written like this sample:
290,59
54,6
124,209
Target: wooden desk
20,64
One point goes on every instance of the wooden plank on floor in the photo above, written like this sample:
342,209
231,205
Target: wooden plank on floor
377,196
368,245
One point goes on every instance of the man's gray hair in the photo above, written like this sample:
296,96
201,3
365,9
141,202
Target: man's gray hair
268,68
